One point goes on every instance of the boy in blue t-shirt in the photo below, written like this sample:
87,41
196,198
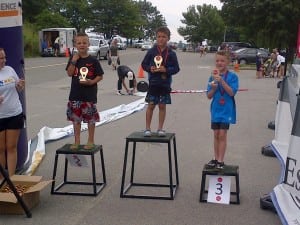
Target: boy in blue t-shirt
221,88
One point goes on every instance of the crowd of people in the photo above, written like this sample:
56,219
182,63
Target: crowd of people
272,67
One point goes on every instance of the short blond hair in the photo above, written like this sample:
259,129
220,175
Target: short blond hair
224,53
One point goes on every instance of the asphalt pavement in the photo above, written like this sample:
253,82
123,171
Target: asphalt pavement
47,87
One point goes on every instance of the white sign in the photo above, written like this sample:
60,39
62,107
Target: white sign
10,13
77,160
219,189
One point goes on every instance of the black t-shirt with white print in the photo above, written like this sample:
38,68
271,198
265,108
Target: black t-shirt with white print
81,92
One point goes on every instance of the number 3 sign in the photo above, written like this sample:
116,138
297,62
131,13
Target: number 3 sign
219,189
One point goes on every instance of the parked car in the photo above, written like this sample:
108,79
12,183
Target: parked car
146,45
248,55
235,45
139,44
98,48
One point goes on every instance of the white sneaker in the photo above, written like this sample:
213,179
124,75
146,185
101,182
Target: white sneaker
147,133
120,93
161,133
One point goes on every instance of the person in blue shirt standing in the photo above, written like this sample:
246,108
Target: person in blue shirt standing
161,63
221,89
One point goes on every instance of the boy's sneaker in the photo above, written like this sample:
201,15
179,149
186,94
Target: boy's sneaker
120,93
161,133
212,163
220,165
147,133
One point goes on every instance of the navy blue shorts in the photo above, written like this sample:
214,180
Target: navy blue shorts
12,123
219,126
158,95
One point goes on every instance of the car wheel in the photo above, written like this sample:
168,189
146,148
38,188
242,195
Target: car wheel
243,61
106,55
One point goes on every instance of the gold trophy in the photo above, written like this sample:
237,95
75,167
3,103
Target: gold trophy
158,60
83,71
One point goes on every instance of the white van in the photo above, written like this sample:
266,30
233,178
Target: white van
47,37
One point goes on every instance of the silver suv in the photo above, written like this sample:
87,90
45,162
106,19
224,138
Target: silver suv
98,48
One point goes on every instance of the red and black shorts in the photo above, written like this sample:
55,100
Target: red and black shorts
79,111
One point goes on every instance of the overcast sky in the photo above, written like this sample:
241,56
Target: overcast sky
172,11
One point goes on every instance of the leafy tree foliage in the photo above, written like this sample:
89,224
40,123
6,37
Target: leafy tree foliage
116,17
31,8
202,22
271,23
47,19
152,19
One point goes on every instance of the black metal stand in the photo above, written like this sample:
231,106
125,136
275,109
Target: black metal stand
97,186
139,137
229,170
14,190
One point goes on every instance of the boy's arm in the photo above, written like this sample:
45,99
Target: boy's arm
173,65
72,65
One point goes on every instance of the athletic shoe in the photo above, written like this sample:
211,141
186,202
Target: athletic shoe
220,165
120,93
147,133
212,163
161,133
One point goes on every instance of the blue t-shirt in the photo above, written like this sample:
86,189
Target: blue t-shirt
222,107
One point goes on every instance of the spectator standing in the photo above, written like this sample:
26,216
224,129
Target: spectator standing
114,53
11,115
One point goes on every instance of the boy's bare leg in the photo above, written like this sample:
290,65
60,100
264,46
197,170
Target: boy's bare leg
149,114
77,129
162,115
216,143
222,143
91,133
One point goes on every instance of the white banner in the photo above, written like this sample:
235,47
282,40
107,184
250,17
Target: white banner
10,13
286,195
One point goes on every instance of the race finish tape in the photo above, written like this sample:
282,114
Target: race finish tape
198,91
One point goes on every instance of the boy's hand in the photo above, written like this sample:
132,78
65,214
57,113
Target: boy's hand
75,57
86,82
160,69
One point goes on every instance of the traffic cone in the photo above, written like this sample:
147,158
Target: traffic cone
67,53
141,73
236,66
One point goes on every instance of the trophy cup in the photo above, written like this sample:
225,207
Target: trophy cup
158,60
83,71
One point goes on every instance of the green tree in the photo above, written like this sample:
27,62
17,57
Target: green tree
152,19
270,23
202,22
31,8
47,19
116,17
76,12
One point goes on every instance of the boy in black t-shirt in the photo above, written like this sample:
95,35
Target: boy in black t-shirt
86,72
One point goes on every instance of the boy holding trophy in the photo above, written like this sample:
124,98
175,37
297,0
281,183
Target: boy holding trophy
85,72
221,89
161,63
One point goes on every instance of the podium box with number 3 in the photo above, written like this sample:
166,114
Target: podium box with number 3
219,188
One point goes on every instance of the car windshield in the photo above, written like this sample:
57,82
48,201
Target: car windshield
94,42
